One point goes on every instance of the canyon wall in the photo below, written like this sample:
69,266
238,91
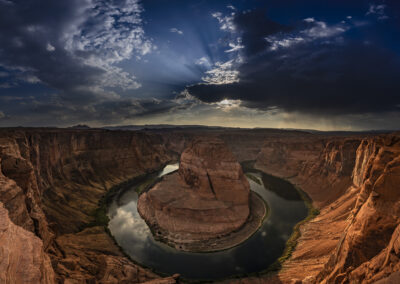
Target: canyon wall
23,259
369,246
51,182
355,183
245,144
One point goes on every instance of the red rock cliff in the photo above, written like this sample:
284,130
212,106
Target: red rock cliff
369,247
51,182
23,259
355,183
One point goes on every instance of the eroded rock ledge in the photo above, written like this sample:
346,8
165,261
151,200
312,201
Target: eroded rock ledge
207,205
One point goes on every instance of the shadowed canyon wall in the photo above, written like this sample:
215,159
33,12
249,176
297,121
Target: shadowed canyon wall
51,182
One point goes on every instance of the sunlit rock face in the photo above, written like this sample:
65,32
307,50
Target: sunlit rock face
354,182
22,257
209,168
207,198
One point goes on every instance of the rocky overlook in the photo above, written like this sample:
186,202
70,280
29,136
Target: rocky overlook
208,198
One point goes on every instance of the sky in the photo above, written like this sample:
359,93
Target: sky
313,64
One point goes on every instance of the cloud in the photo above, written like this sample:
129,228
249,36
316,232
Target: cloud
312,68
2,115
227,105
50,48
175,30
36,112
110,31
320,29
222,73
288,41
309,20
72,51
377,10
86,39
235,46
203,61
254,27
315,30
225,21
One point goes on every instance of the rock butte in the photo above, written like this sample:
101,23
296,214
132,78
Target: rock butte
208,198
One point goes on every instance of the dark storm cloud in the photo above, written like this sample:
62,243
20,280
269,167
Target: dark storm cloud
255,26
27,29
58,112
72,47
312,68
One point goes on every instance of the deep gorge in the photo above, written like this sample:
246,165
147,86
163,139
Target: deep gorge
52,180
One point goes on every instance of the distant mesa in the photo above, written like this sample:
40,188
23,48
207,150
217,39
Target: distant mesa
207,205
80,126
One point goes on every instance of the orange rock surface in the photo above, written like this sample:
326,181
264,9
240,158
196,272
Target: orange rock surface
22,258
355,183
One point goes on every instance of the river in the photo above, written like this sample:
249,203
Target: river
254,255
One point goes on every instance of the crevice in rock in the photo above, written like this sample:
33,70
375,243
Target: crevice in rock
210,183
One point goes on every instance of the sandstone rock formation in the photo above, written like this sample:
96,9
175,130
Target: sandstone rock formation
51,181
91,255
369,246
22,258
355,183
206,199
210,168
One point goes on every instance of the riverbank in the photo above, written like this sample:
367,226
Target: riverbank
291,243
265,246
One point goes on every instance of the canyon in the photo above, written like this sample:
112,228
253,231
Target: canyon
52,182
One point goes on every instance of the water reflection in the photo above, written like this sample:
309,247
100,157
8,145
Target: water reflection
256,254
168,169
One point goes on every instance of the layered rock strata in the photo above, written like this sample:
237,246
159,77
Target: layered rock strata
206,199
22,257
355,183
51,181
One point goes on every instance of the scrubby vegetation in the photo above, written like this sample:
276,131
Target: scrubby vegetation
100,217
291,243
283,188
